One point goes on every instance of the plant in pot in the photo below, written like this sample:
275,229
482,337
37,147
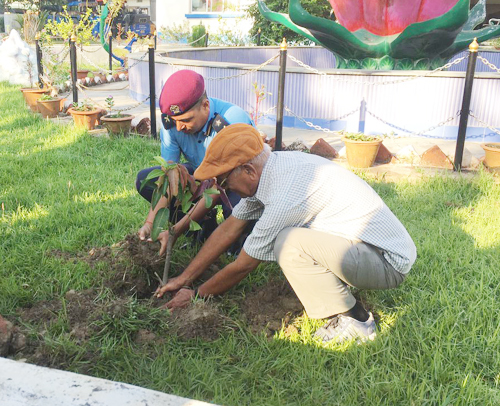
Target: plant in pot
116,122
50,105
33,93
492,155
85,114
361,149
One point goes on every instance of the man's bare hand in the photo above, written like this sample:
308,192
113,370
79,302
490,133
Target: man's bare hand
145,231
172,285
163,238
181,299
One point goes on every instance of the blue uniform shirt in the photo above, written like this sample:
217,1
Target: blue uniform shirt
194,146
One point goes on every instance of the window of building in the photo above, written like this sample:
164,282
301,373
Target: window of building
218,6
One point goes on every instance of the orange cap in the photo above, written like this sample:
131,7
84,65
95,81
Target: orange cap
233,146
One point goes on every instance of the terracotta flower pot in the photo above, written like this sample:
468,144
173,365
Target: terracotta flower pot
50,108
118,125
361,154
82,73
31,95
86,119
492,154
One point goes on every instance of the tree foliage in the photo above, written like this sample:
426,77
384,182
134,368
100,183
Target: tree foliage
272,33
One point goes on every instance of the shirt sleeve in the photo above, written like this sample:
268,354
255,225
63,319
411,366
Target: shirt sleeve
248,209
170,150
276,217
235,114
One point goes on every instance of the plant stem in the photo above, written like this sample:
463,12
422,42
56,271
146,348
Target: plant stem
168,255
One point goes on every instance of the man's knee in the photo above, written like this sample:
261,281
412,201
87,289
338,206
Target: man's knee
145,192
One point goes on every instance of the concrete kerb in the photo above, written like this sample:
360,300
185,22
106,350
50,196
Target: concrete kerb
25,384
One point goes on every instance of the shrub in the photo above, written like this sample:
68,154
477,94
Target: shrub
272,33
175,33
197,38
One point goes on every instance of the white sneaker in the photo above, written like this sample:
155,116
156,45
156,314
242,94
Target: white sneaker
343,328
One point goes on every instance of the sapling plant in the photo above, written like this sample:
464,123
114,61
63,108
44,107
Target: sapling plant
110,103
174,182
260,94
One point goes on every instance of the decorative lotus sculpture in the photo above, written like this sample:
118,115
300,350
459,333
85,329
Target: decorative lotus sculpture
397,34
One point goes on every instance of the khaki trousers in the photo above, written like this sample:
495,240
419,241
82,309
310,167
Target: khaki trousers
320,268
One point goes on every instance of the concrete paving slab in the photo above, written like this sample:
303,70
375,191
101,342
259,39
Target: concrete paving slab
24,384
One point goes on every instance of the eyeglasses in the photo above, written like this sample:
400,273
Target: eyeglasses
223,182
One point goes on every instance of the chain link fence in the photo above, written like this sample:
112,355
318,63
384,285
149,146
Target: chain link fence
407,132
369,83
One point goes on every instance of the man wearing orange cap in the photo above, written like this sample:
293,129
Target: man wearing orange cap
190,120
326,228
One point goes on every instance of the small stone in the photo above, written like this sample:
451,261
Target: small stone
343,152
384,156
435,157
143,127
6,333
18,342
297,146
324,149
408,154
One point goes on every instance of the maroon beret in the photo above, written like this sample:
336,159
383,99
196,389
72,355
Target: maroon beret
181,92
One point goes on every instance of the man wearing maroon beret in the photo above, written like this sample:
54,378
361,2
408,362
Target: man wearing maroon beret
190,120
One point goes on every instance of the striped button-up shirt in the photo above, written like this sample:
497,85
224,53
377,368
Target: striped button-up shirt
304,190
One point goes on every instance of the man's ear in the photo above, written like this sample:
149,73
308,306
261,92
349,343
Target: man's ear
205,104
249,169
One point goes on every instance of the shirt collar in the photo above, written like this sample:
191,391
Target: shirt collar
265,177
211,115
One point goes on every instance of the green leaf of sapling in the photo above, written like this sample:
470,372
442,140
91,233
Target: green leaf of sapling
186,201
155,173
194,226
156,198
160,160
208,200
160,222
211,191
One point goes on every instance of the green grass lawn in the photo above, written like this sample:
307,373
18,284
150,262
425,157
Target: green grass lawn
62,189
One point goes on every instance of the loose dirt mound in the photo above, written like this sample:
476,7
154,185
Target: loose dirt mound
202,319
270,306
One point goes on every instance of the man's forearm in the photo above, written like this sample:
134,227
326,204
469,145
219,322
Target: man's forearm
228,277
197,213
220,240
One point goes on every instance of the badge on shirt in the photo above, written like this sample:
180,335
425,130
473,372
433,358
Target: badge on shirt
218,123
167,122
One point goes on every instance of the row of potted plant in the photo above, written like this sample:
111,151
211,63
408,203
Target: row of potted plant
362,150
85,113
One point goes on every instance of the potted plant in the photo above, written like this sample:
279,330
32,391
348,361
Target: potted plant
50,106
85,114
82,73
116,123
361,149
492,154
33,93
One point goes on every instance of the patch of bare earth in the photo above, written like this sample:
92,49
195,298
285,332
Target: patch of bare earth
129,272
270,307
